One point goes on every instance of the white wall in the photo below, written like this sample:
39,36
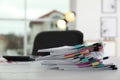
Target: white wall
88,19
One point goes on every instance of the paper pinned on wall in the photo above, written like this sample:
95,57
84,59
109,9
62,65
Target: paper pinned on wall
109,6
108,27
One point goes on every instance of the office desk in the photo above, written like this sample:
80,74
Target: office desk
33,71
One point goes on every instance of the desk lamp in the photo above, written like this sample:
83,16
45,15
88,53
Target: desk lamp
69,17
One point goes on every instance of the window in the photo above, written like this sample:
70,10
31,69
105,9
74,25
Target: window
21,20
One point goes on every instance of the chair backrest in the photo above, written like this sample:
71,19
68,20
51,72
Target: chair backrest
52,39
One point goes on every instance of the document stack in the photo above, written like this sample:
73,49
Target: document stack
76,57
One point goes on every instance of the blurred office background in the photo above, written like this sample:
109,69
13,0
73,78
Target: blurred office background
21,20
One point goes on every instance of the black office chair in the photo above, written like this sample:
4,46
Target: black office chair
53,39
50,39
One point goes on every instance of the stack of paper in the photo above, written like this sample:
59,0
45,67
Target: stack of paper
74,57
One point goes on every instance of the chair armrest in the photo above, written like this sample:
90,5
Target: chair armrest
18,58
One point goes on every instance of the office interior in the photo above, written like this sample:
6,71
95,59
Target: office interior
22,20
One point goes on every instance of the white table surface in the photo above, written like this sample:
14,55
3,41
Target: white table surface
33,71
